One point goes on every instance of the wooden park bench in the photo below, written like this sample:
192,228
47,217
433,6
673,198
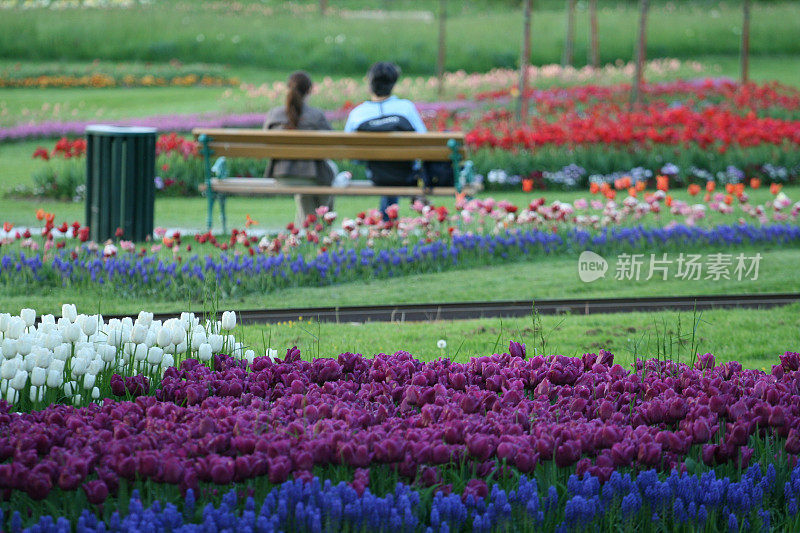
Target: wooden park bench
304,144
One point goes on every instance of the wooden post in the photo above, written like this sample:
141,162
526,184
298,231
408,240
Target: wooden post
641,51
745,40
569,42
595,52
442,46
522,109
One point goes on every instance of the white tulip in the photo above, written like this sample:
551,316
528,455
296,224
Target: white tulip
19,380
48,320
5,319
57,365
115,338
107,353
28,316
76,400
38,376
55,379
250,355
12,395
45,329
228,320
150,340
79,366
89,325
33,394
69,312
28,362
178,334
198,336
95,367
72,333
272,354
69,386
204,351
144,318
216,342
181,348
186,321
139,334
168,361
43,357
95,393
155,355
8,369
88,381
24,345
52,340
9,347
16,328
140,354
127,322
164,337
62,351
114,323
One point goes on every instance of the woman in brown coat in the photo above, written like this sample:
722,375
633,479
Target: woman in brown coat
296,115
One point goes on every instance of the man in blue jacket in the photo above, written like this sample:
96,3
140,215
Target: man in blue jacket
385,112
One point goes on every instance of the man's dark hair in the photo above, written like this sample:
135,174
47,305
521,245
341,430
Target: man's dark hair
382,76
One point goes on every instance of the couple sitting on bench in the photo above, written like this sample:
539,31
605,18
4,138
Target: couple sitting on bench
383,113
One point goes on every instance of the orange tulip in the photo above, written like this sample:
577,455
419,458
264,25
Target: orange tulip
775,188
610,194
527,185
604,187
662,183
738,189
250,222
728,199
49,217
167,241
707,197
40,214
619,184
594,188
729,188
694,189
632,191
7,226
668,201
711,185
755,183
640,185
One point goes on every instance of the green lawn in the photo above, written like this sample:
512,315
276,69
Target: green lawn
479,37
22,106
543,278
755,338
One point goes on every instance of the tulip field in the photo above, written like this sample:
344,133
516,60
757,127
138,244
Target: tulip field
136,395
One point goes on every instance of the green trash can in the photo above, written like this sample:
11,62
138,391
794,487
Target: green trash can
120,191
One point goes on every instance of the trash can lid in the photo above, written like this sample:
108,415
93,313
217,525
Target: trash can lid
106,129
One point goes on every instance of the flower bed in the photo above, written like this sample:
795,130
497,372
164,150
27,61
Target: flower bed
552,441
82,358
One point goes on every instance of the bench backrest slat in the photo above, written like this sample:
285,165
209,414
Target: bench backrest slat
301,144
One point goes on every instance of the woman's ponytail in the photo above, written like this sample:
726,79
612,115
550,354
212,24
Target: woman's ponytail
299,86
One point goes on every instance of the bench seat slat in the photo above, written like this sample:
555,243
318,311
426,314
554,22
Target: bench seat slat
318,137
298,151
266,186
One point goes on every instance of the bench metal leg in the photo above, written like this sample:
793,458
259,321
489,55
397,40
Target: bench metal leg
206,151
222,199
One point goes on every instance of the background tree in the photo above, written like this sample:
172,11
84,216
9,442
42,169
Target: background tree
522,109
745,52
641,50
442,44
595,45
569,42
